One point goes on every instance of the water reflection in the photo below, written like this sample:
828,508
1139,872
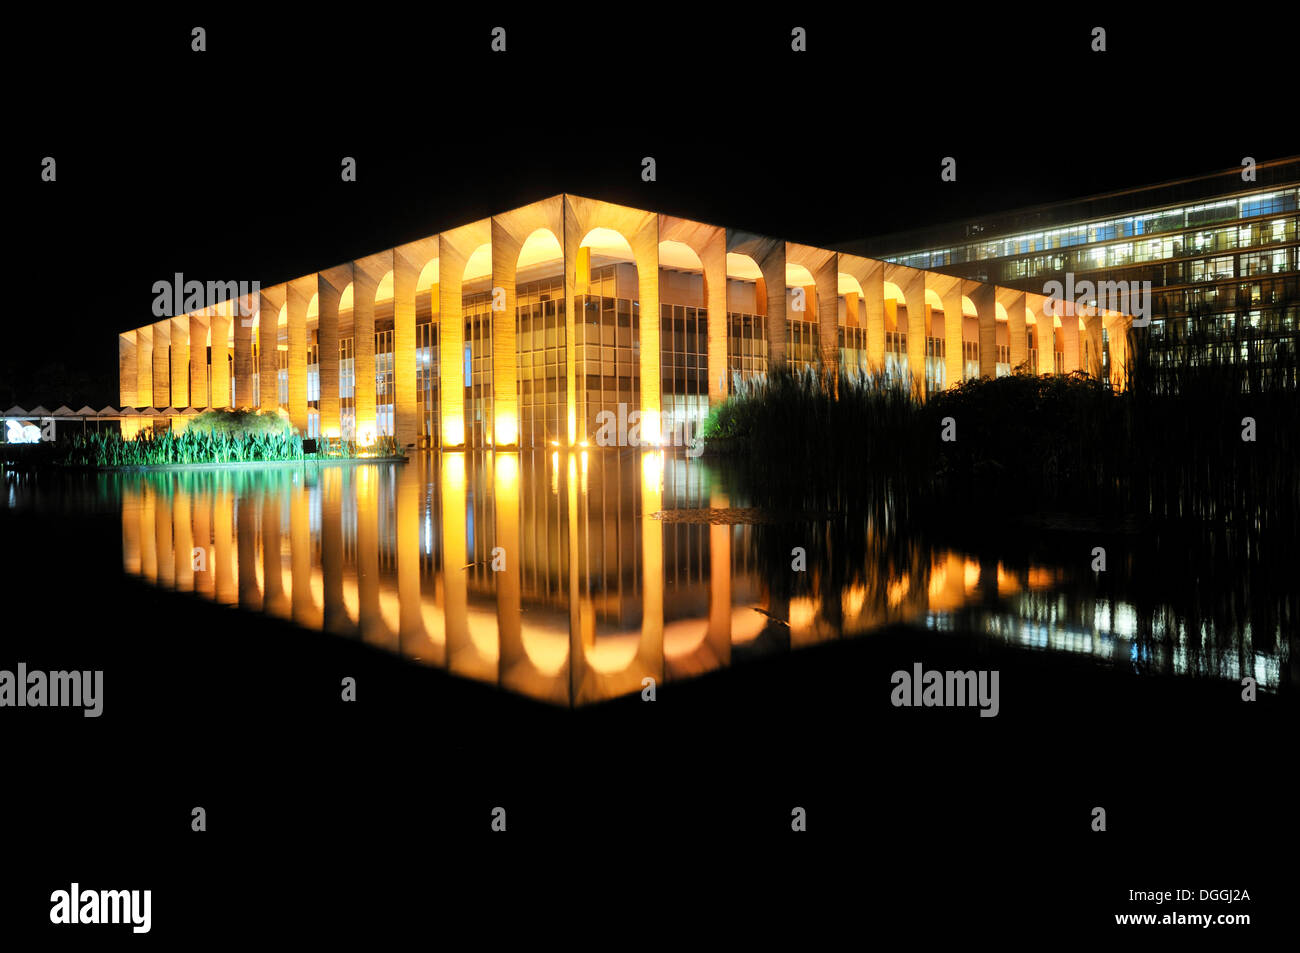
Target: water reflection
571,577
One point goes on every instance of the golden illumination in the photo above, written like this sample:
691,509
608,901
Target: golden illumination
651,434
897,590
507,429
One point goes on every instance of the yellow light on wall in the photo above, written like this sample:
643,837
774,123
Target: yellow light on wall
366,435
332,433
453,430
651,432
507,430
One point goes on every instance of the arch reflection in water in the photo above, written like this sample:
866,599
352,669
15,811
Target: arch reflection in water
571,577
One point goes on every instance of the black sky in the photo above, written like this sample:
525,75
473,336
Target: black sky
225,164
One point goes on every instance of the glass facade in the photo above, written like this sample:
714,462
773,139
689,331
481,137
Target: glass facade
803,344
608,346
477,312
1223,268
746,348
347,390
684,367
384,393
426,380
542,358
313,386
853,351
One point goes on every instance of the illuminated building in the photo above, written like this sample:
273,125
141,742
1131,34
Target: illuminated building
1221,255
424,321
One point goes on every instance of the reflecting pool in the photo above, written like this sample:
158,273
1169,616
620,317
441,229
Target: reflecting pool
572,577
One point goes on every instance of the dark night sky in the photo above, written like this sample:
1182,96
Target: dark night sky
225,164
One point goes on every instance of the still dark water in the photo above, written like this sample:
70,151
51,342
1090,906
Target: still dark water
573,577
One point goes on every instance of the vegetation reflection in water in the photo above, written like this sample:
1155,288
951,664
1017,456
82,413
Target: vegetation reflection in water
573,576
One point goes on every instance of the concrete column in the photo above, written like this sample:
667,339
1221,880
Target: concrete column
162,333
144,366
577,275
330,285
298,296
505,371
645,246
268,342
1044,338
778,334
1117,329
873,301
406,408
1016,336
713,256
1092,337
199,326
984,297
1072,356
454,249
912,283
128,372
953,357
367,274
180,362
243,344
220,344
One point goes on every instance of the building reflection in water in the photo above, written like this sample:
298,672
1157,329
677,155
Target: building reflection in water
572,577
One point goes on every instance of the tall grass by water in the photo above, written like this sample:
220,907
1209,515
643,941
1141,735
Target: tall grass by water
109,449
1173,444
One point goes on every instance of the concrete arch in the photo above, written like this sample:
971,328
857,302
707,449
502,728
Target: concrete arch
415,272
272,308
805,262
912,283
334,297
869,275
528,240
454,250
708,245
367,275
769,255
640,231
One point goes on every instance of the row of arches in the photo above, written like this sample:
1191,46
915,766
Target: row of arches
545,340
